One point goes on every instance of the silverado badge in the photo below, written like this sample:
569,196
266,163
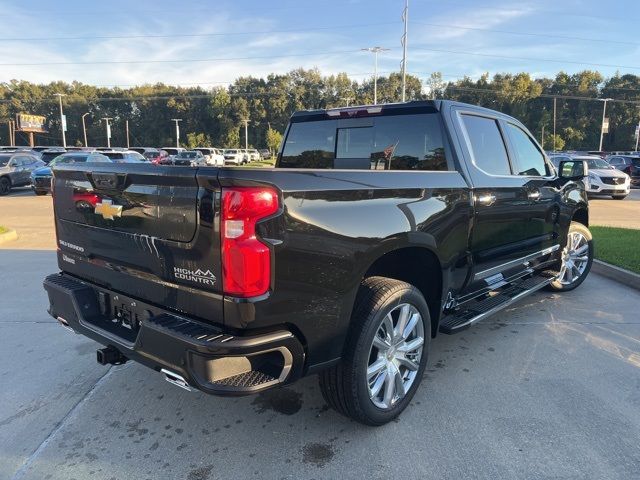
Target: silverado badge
108,210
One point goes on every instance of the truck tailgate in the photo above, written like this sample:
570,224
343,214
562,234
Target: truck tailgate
149,231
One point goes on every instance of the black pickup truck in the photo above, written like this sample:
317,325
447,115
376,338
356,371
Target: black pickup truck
379,227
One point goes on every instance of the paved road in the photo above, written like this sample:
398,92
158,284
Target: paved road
550,388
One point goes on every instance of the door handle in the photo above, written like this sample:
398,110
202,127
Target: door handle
487,199
534,195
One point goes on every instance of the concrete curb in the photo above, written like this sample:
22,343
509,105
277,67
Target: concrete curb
618,274
8,236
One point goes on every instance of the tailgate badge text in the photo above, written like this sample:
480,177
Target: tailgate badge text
204,277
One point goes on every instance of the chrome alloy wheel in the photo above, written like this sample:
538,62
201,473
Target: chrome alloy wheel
394,356
575,258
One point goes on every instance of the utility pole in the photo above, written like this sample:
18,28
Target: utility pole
542,137
375,51
126,127
405,19
63,120
602,126
246,132
108,127
84,129
554,123
177,120
637,136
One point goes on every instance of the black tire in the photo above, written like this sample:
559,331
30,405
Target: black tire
5,186
345,386
40,192
558,285
619,197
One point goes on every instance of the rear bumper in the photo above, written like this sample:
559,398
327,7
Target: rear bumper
206,357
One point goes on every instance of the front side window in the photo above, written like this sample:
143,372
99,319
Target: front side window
487,145
529,159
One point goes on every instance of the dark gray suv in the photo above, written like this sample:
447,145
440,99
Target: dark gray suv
15,170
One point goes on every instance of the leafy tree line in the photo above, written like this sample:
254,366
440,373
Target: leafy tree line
216,116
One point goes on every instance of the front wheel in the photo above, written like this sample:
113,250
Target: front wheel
576,261
385,354
5,186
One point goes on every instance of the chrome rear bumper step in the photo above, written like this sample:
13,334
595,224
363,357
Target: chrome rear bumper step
467,315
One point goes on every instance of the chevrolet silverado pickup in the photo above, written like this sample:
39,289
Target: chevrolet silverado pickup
380,227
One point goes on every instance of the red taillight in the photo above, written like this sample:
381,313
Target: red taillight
246,261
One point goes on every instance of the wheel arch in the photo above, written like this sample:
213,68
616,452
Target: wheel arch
417,265
581,215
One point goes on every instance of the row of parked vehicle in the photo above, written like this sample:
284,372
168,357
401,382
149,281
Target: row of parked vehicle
22,166
610,174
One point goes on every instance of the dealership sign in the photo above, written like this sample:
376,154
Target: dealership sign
31,123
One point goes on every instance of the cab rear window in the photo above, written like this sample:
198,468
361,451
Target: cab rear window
390,142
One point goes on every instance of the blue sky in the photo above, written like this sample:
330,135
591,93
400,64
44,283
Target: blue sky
252,37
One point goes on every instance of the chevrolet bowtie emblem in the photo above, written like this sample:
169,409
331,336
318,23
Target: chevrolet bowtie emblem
108,210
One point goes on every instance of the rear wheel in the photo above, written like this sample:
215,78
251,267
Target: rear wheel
577,258
5,186
385,354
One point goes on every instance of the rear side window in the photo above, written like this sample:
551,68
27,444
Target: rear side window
487,145
310,145
530,160
391,142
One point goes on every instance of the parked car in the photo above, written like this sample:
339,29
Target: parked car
603,179
254,155
265,153
161,159
628,164
147,152
50,153
41,177
234,156
345,260
189,158
124,156
15,169
212,156
173,151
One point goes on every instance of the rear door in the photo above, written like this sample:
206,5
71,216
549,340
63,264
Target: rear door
147,231
507,231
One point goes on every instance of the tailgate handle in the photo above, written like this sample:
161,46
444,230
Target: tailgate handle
104,179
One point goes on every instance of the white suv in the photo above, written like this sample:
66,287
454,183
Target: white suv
234,156
212,156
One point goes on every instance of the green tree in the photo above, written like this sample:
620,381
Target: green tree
198,140
274,138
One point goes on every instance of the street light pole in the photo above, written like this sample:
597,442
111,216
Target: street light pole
405,19
63,122
375,51
246,133
84,129
604,112
177,120
126,127
554,123
108,127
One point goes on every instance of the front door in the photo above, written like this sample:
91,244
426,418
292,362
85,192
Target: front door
510,223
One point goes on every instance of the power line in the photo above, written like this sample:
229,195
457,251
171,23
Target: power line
193,35
529,59
542,95
528,34
191,60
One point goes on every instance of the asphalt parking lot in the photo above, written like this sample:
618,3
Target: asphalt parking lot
547,389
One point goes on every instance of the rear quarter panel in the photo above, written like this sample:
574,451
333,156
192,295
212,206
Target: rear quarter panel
334,224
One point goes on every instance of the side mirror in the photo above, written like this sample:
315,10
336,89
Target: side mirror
573,169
